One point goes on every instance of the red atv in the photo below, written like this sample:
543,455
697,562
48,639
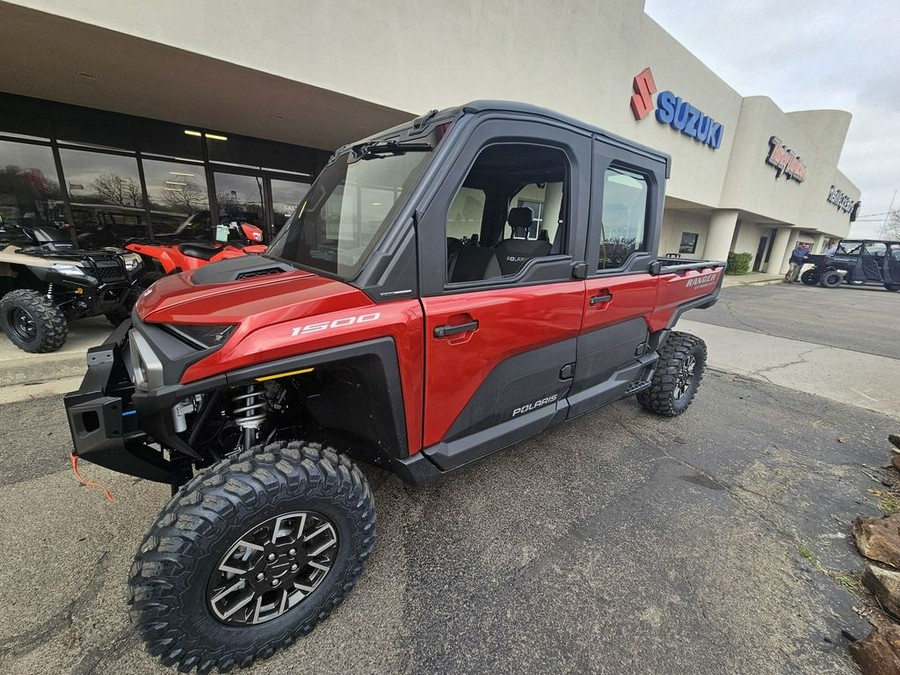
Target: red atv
176,257
446,289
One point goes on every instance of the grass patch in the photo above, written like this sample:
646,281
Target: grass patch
889,504
847,582
805,552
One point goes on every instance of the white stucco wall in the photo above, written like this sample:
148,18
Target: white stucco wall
575,56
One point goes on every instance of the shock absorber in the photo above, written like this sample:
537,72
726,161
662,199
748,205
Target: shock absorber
250,408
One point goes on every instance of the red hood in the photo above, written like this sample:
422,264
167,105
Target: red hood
253,302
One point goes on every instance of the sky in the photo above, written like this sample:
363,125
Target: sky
805,55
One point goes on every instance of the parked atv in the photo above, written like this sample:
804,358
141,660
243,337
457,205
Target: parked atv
176,257
857,262
45,282
382,332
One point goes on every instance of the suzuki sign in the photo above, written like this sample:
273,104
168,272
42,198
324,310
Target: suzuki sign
674,111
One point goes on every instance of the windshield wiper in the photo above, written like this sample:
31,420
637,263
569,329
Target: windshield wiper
384,148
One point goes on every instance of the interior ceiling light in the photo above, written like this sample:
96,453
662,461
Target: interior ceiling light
88,76
172,189
181,173
216,137
191,132
174,182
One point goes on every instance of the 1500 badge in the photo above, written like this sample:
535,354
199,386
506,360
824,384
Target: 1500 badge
343,322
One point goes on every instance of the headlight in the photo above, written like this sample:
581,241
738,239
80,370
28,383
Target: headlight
131,264
206,335
68,270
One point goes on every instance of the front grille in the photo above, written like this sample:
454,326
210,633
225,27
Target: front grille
259,273
109,271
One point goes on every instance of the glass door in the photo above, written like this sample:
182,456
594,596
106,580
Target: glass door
286,194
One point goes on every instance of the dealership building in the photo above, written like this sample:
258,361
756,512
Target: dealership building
127,117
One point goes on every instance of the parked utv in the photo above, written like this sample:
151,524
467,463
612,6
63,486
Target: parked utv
45,282
446,289
858,262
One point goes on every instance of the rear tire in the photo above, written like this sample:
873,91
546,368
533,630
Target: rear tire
682,360
201,597
32,322
831,279
810,277
892,287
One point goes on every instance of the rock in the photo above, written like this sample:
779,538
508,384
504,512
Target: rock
879,652
895,440
885,584
895,460
879,539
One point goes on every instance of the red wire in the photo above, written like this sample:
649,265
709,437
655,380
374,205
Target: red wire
88,483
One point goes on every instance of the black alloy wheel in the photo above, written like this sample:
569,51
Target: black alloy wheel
251,554
682,361
810,277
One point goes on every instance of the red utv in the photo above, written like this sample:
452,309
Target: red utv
446,289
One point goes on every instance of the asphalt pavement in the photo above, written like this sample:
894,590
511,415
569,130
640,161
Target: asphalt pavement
715,542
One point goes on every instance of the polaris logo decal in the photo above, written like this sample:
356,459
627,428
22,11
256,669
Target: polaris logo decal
534,406
702,280
337,323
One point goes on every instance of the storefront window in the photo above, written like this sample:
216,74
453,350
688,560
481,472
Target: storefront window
240,198
176,192
29,190
286,195
105,197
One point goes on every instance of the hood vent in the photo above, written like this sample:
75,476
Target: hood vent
259,273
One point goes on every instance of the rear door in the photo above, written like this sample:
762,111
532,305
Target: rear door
500,342
873,259
892,263
626,202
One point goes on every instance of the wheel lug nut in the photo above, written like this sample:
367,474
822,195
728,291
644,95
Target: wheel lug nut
274,582
271,556
294,567
293,551
260,576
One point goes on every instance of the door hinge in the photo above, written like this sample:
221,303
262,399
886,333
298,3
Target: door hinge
567,372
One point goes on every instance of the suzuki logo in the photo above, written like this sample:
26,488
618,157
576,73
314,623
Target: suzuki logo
644,87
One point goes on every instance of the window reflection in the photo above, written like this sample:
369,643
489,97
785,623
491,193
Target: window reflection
105,196
286,194
178,198
30,195
240,198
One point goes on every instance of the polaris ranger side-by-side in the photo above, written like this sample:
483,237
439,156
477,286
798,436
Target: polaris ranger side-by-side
446,289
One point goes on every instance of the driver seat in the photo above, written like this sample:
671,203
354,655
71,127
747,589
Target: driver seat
513,253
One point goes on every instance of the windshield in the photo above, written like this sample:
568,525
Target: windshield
848,247
348,207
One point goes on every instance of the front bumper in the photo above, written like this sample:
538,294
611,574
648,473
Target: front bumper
122,429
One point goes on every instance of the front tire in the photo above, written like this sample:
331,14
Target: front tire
810,277
250,554
32,322
831,279
682,360
892,287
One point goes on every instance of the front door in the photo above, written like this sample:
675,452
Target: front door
502,310
873,258
760,254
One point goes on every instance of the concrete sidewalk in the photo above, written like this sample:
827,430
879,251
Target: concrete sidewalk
754,279
854,378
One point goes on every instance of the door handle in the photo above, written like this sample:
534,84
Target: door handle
448,330
599,299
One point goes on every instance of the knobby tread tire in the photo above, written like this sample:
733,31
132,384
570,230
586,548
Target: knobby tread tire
168,580
52,327
659,396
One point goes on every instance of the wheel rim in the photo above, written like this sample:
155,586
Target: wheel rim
22,324
272,568
685,376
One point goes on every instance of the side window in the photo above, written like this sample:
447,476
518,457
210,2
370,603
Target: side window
510,209
466,212
624,216
876,248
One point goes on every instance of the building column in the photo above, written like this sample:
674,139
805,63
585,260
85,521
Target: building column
778,257
819,244
721,232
